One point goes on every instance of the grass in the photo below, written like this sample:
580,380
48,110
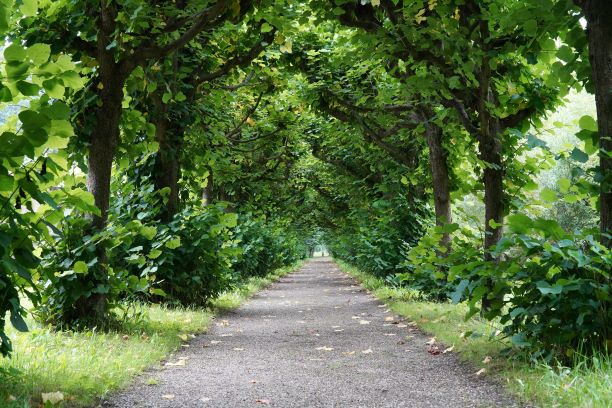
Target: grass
85,366
587,384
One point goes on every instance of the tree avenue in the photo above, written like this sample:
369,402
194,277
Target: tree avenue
165,151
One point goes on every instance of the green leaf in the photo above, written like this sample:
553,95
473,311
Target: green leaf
158,292
72,80
579,156
15,52
546,289
32,120
548,195
154,254
80,267
519,223
588,123
530,27
54,88
564,184
5,94
7,183
18,322
27,88
148,232
16,70
29,7
458,293
174,243
39,53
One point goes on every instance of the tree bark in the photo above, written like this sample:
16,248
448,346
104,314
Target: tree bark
598,14
440,180
207,192
490,152
167,165
102,144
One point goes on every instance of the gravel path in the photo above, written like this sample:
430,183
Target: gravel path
315,338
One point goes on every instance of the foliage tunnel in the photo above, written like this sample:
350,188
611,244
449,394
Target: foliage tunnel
164,151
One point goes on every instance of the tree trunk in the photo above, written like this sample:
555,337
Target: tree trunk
102,144
207,192
440,179
599,32
167,166
490,152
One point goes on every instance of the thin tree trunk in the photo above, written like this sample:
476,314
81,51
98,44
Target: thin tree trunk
490,152
167,166
599,32
440,179
207,191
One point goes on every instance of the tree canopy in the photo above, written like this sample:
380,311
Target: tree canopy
165,150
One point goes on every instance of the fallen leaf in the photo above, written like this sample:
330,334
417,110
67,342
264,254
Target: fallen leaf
431,341
348,353
125,337
355,317
433,350
176,364
238,349
253,382
402,325
364,322
389,334
204,399
487,360
389,319
215,341
168,396
448,350
336,327
183,337
11,398
338,330
324,348
368,351
263,401
52,397
481,371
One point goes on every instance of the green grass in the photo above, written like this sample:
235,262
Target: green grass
587,384
84,366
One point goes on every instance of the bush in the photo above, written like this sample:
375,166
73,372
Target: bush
553,293
264,247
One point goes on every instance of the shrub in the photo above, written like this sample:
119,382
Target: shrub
553,293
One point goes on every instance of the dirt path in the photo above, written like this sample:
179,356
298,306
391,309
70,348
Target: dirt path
313,339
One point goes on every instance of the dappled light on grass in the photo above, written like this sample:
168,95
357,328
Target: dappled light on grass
84,365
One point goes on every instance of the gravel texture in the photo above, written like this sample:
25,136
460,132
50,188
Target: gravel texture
315,338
